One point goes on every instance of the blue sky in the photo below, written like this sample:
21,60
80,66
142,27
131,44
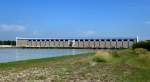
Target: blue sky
74,18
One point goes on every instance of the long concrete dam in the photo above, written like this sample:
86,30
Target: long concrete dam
97,43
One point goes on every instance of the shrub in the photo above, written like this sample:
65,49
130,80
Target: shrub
102,56
140,51
142,44
99,59
114,53
126,52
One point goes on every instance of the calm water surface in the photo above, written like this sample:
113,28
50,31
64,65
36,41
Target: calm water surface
12,54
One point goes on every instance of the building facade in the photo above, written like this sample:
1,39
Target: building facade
75,43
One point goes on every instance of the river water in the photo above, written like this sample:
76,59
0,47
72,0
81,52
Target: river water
15,54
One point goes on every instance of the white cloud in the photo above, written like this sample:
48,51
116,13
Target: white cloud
88,33
12,28
35,33
147,22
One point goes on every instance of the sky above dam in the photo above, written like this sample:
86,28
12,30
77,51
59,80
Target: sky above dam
74,18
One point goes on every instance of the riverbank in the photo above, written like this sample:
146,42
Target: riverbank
102,66
7,46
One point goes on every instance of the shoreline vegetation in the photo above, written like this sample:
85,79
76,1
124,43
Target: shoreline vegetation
125,65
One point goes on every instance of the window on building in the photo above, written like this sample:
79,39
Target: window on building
91,40
108,40
113,39
125,40
119,39
131,39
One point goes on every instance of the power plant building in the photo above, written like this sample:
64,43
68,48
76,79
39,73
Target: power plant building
98,43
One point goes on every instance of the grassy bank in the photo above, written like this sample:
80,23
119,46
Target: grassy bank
37,62
102,66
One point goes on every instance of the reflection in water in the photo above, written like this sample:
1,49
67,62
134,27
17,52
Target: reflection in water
73,51
8,55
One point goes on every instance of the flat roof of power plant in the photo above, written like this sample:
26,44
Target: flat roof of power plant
73,38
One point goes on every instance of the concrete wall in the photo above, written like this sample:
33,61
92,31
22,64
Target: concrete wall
22,43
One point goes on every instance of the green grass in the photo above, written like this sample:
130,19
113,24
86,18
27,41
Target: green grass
137,62
37,62
103,66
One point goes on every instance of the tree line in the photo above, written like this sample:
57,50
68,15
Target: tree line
8,42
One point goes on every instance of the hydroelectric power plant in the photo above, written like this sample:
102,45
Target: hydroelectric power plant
97,43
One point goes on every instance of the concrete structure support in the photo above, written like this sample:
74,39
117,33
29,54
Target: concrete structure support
97,44
61,43
113,44
76,45
81,44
